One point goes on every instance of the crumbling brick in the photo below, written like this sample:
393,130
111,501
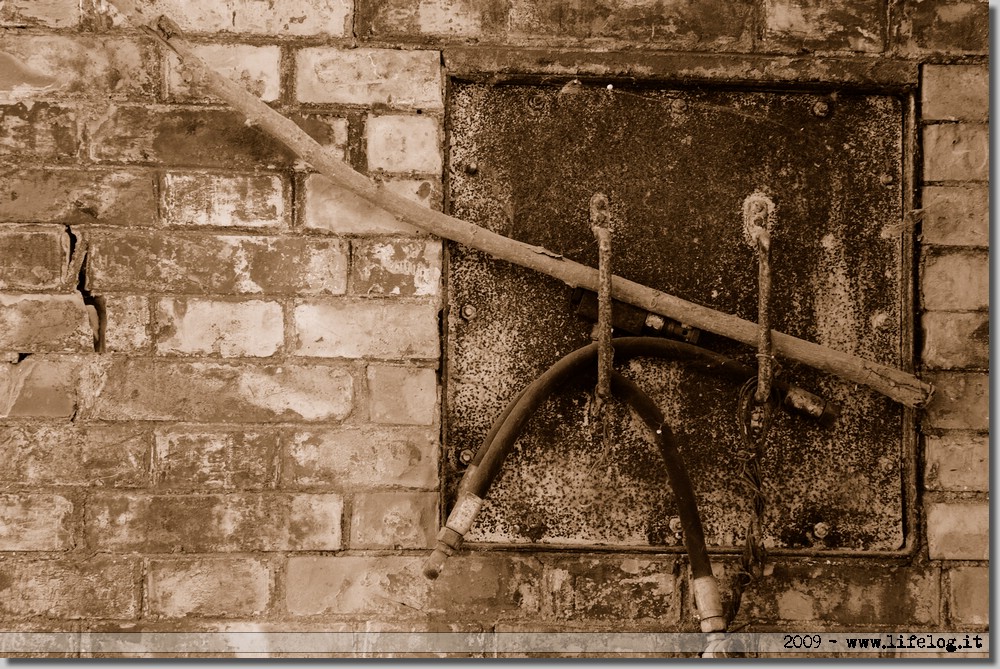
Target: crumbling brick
328,207
956,340
33,257
957,461
45,324
67,455
209,587
39,387
256,68
227,201
176,263
38,131
191,326
845,25
955,93
956,152
190,458
960,402
969,595
361,329
394,520
77,587
402,395
126,324
35,522
108,197
144,389
404,144
362,457
45,13
958,530
239,522
328,18
395,267
956,215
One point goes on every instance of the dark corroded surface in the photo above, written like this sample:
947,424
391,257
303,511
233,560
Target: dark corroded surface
677,165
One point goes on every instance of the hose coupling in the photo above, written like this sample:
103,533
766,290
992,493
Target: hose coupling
450,536
708,602
803,401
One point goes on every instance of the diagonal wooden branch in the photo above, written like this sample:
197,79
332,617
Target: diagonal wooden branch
893,383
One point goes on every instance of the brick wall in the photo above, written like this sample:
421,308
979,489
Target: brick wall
219,389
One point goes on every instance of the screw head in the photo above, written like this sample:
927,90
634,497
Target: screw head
468,312
820,530
465,456
821,108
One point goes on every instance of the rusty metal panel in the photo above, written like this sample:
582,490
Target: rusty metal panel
524,161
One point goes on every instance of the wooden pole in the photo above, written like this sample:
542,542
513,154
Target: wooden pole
893,383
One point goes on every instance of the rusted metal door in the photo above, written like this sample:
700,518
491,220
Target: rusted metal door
677,164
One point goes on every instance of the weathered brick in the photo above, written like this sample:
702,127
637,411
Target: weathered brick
402,395
190,458
846,25
38,131
256,68
955,280
73,588
457,18
944,26
45,13
609,588
396,78
394,520
328,207
35,522
33,257
330,18
956,340
361,328
73,196
956,152
362,457
710,25
45,323
65,455
243,522
213,588
200,137
39,387
88,67
957,461
961,401
470,585
955,93
126,323
956,215
849,594
222,200
142,389
969,595
404,144
178,263
395,267
254,328
958,530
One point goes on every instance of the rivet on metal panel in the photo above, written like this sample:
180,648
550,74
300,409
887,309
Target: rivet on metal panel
675,525
468,312
886,179
821,530
471,168
465,456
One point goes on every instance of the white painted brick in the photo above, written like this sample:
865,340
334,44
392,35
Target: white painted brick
956,92
257,68
402,395
958,530
329,207
254,328
240,201
358,329
410,79
285,18
957,461
956,152
403,144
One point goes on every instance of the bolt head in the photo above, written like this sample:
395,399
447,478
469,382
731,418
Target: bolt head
886,179
468,312
465,456
821,108
471,168
675,524
821,530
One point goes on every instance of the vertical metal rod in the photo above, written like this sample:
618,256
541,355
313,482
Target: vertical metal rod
600,224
